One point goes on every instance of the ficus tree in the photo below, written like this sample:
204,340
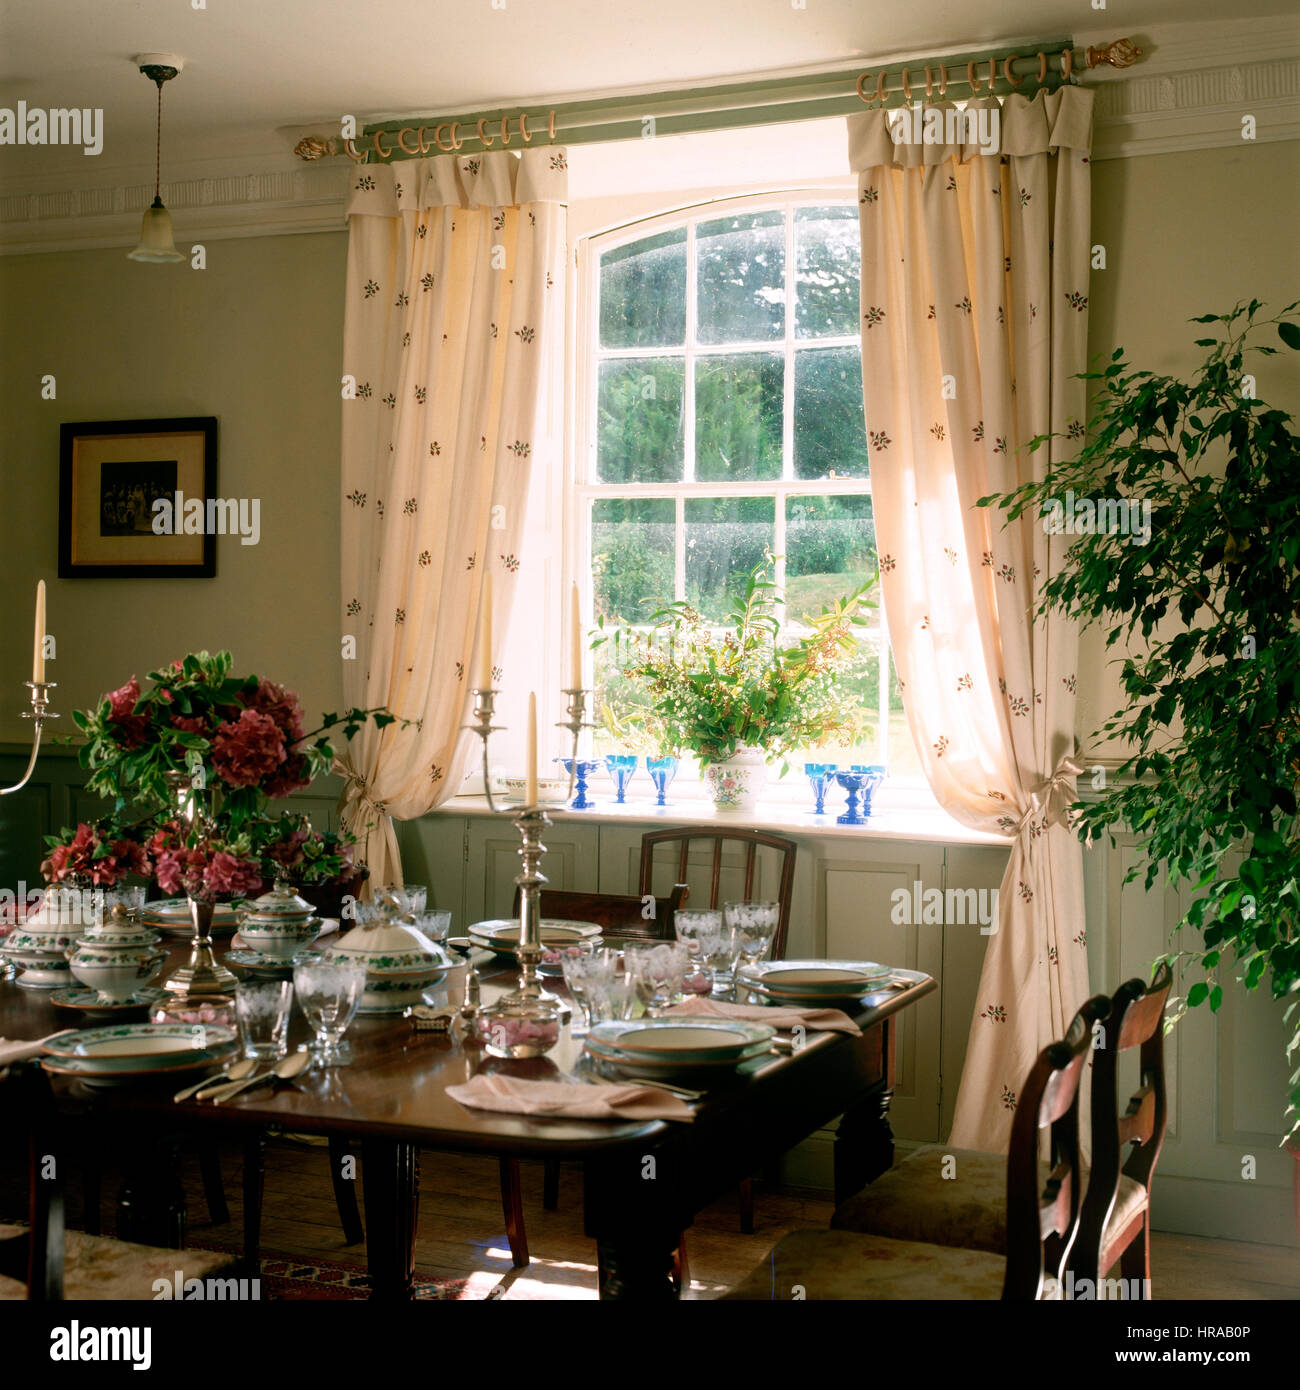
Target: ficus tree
1205,614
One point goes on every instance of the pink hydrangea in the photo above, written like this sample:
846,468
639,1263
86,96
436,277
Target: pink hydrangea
249,750
227,876
132,729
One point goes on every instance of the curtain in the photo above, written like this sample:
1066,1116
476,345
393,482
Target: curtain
453,317
975,260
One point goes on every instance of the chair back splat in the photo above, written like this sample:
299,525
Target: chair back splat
681,842
1136,1019
1042,1221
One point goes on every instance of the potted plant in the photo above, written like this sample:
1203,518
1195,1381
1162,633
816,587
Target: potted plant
744,694
1210,785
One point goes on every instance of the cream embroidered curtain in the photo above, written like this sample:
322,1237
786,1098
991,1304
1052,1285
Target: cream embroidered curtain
974,323
454,311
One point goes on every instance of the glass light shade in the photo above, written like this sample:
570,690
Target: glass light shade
156,242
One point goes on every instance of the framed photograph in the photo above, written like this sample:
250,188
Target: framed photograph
126,495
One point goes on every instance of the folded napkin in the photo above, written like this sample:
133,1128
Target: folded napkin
571,1101
20,1050
776,1015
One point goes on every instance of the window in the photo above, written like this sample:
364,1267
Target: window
720,400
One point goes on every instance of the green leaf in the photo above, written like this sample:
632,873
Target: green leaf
1290,335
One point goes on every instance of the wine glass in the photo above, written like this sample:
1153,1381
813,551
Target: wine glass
752,926
587,975
657,972
328,995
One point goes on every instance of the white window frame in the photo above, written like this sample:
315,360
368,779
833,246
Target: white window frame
582,412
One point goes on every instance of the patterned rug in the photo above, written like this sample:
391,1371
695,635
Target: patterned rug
285,1278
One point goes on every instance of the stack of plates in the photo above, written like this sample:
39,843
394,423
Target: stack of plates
128,1052
501,936
171,916
658,1047
811,982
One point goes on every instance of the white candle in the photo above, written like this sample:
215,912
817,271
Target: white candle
575,652
483,680
38,648
530,787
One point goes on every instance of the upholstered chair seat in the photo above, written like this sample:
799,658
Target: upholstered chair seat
915,1201
95,1267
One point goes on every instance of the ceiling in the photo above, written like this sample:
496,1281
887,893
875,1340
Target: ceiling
256,66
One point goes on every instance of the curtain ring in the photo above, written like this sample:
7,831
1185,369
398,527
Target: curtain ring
382,153
505,130
484,138
352,154
862,77
523,127
943,79
405,148
929,83
1067,64
456,141
550,125
421,141
1006,72
907,87
437,135
1042,67
993,74
972,81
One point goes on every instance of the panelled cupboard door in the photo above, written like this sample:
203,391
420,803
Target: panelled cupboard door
492,862
966,867
433,853
857,914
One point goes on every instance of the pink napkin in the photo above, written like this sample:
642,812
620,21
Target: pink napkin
578,1101
777,1016
21,1049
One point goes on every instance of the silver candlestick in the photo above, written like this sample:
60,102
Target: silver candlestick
39,713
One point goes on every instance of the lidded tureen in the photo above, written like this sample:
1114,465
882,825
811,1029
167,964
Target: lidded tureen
116,957
279,923
39,946
401,961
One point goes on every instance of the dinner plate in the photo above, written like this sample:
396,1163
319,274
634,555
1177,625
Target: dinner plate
142,1047
72,1066
505,930
681,1038
652,1066
171,916
88,1002
258,963
811,979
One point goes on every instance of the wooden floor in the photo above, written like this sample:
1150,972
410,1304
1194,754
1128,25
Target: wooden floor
462,1234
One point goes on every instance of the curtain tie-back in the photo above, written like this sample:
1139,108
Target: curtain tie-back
1050,803
354,802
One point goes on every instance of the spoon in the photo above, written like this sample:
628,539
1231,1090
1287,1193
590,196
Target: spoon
284,1070
235,1072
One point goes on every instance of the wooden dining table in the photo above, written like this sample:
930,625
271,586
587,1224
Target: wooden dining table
644,1182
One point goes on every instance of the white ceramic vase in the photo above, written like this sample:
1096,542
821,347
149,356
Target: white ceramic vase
738,783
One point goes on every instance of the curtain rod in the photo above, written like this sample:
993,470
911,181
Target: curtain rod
735,105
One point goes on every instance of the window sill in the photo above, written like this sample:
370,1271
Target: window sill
930,825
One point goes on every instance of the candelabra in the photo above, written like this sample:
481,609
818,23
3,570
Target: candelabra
525,1022
40,712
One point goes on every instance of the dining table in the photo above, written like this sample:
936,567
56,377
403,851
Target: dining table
644,1181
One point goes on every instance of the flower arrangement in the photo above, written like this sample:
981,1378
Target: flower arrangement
241,734
713,692
100,852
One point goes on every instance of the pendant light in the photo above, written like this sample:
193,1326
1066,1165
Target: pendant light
156,244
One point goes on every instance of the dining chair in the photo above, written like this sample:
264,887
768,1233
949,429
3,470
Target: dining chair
1042,1218
681,841
43,1262
622,915
919,1200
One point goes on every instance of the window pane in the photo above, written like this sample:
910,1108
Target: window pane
829,424
739,404
641,420
830,550
740,278
631,557
828,257
725,538
643,293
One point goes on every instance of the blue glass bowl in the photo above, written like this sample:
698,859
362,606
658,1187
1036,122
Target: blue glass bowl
859,781
585,767
820,776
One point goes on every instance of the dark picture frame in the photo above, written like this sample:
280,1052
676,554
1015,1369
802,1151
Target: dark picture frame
110,474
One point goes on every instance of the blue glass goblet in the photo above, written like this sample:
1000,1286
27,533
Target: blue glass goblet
859,781
820,774
583,769
662,771
621,768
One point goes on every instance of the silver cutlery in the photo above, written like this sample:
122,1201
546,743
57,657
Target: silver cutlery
235,1072
286,1069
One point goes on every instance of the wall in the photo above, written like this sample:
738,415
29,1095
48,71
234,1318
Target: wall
255,339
